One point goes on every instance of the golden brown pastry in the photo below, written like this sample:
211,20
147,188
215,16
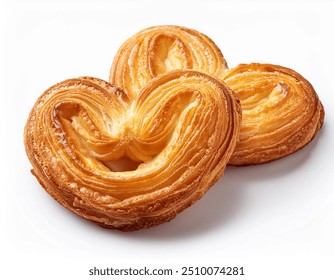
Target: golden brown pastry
281,112
132,164
160,49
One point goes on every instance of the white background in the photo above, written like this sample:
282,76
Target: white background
276,220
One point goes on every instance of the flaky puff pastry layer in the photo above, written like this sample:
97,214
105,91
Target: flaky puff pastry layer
160,49
132,164
281,112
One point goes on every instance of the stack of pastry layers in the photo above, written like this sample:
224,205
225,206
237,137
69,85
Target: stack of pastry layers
134,152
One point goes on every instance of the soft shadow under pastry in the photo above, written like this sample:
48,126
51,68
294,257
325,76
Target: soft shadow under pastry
132,164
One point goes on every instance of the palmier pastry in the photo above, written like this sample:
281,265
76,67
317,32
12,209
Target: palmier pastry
160,49
281,112
132,164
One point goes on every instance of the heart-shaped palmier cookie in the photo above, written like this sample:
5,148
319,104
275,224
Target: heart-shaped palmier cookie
281,112
132,164
161,49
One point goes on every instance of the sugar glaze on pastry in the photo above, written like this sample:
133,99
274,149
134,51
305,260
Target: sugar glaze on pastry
160,49
132,164
281,112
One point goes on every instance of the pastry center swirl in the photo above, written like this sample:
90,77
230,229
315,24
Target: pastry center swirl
168,53
265,98
136,136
